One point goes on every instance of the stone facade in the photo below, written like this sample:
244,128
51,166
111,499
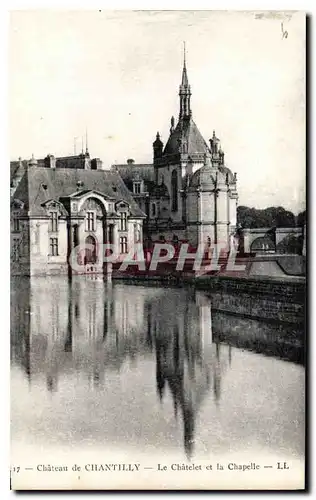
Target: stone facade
188,193
59,204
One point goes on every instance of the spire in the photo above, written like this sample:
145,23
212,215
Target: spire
185,91
184,71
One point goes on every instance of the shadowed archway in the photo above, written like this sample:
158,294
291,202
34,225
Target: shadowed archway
90,253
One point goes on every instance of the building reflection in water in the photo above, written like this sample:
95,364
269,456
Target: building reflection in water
91,327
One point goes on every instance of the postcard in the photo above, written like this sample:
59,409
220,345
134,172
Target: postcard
158,250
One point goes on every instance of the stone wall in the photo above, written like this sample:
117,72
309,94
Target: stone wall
261,299
282,340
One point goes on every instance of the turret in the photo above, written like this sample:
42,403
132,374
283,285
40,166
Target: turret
32,162
217,154
172,125
157,147
185,94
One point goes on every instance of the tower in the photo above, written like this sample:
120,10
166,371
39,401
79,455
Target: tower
198,203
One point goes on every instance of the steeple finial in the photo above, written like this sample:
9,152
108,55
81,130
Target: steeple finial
87,151
184,81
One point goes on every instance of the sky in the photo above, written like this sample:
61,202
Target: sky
117,74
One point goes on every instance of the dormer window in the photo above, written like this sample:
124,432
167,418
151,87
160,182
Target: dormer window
53,222
137,187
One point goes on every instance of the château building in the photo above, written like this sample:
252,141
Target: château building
188,193
60,203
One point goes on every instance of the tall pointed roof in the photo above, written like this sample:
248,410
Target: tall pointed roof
185,81
185,139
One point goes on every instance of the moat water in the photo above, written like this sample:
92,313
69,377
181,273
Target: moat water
143,370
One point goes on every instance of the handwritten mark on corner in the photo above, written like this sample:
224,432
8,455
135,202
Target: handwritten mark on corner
284,33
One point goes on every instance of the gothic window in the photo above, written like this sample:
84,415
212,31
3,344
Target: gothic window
153,210
174,191
137,186
123,244
53,245
53,222
123,222
90,221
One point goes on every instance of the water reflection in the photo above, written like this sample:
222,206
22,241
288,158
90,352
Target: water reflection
90,328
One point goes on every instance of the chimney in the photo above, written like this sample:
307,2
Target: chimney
96,164
50,161
130,161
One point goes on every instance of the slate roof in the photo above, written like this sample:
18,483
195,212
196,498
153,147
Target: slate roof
187,131
145,171
134,171
72,161
17,169
40,184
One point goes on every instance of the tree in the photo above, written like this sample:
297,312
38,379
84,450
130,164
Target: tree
269,217
301,218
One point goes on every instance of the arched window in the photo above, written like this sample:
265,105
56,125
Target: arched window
153,210
174,191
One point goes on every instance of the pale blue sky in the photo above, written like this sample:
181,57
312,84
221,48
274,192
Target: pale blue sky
118,74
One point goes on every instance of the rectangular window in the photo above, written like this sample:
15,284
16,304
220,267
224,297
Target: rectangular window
90,221
53,222
16,224
16,249
123,244
123,222
53,244
137,186
137,233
